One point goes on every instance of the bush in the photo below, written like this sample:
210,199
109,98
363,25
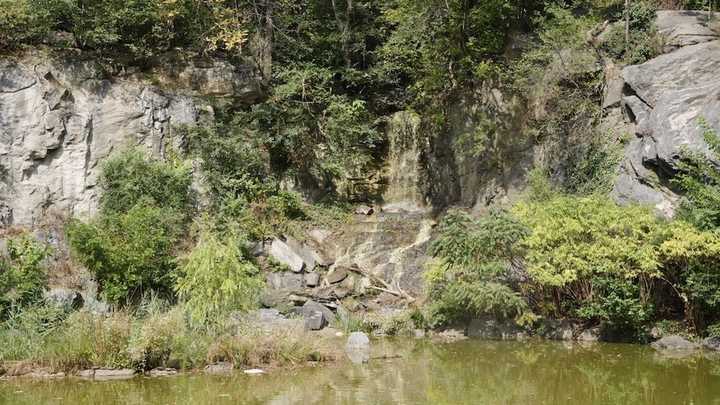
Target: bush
130,245
23,277
474,261
130,178
129,253
643,39
216,278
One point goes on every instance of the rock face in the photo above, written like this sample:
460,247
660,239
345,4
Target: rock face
59,118
665,100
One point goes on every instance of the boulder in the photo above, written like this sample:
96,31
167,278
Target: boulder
311,306
711,343
312,279
337,275
685,27
284,281
283,254
665,99
674,343
314,320
303,251
358,347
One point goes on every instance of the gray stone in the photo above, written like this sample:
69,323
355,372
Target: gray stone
674,343
711,343
666,99
314,320
685,27
284,281
61,118
302,251
114,374
312,279
337,275
219,368
89,373
283,254
312,306
358,347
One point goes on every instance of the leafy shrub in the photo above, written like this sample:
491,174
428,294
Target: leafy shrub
23,277
699,179
217,278
129,178
474,261
643,39
144,208
129,253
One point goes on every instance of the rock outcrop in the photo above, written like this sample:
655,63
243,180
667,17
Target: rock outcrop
665,100
60,117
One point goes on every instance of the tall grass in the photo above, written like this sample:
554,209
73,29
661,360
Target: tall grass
151,336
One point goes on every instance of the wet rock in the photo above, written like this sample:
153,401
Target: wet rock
495,329
312,279
254,371
283,254
162,372
364,210
674,343
314,320
312,306
337,275
358,347
712,343
219,368
114,374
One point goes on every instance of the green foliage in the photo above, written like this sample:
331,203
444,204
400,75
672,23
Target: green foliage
130,178
576,237
699,179
216,278
595,255
129,246
469,276
140,28
23,276
130,253
643,38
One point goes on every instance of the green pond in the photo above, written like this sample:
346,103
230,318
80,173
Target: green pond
466,372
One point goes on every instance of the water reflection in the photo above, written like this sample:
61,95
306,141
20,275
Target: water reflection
470,372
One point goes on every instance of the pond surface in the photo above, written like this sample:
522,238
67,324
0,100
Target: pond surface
467,372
